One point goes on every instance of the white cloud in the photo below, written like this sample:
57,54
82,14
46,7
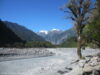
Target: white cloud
55,29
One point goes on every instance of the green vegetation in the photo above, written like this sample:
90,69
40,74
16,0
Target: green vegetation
79,11
70,43
92,33
39,44
22,32
8,38
92,30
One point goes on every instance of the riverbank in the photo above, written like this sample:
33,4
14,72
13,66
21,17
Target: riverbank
63,60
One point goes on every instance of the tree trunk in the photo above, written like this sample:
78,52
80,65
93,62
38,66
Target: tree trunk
79,39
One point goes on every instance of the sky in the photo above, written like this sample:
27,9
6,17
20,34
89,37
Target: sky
35,15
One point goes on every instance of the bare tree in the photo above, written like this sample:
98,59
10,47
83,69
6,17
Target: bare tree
79,11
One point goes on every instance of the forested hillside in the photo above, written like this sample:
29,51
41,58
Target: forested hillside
7,36
23,32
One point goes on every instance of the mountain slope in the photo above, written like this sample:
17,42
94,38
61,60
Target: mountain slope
70,42
53,35
7,36
66,34
50,35
56,36
23,32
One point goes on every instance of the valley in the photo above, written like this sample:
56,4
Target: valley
43,38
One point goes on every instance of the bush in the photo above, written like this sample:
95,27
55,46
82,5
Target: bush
39,44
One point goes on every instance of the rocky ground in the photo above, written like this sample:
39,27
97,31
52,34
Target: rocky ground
50,61
89,66
21,53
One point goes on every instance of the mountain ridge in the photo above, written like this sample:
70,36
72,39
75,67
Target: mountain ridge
7,36
57,36
23,32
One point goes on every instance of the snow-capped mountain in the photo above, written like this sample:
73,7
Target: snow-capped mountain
50,31
43,32
56,36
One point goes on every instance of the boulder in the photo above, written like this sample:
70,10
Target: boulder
89,66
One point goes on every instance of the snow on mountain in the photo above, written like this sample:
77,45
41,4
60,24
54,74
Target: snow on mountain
43,31
46,32
56,36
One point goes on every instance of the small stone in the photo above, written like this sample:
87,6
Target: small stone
98,60
90,56
62,72
68,68
82,63
98,55
94,58
93,63
75,61
42,68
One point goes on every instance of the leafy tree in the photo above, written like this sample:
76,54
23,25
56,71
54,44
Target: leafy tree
98,6
79,11
92,30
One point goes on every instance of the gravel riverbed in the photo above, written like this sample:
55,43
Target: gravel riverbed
40,61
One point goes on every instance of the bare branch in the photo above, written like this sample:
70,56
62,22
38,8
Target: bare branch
68,12
72,18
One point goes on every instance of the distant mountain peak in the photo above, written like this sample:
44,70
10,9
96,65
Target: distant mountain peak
56,36
43,31
47,32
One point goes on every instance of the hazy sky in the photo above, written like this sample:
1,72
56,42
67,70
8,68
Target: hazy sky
35,14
